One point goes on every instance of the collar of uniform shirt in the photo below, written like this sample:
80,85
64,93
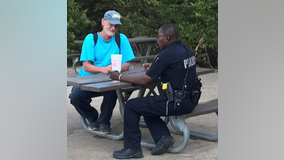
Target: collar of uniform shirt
174,43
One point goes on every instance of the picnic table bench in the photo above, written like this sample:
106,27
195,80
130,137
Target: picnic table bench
179,125
101,82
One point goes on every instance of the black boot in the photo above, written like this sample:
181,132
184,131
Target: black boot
127,154
162,145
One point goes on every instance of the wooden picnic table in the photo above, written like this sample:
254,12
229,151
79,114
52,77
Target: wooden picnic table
102,82
142,40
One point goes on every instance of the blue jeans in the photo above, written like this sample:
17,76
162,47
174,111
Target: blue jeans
81,100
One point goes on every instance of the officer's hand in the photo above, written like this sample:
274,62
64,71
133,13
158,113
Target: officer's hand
113,75
106,69
146,66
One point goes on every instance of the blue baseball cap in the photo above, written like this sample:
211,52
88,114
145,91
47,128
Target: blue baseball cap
113,17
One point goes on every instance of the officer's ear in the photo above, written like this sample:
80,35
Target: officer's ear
167,38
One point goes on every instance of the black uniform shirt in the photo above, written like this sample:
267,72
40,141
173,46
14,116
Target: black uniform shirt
171,65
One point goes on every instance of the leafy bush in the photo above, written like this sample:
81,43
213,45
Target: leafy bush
197,21
78,25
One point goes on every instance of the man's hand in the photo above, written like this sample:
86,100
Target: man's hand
125,66
113,75
146,66
106,69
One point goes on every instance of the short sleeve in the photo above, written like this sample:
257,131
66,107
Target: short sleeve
88,49
158,67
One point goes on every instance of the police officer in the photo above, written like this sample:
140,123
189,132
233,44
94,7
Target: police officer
175,64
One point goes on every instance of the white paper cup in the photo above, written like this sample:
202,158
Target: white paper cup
116,62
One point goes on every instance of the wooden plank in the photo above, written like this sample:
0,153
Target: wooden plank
106,86
200,71
143,57
100,85
137,38
204,108
78,81
142,39
79,41
73,55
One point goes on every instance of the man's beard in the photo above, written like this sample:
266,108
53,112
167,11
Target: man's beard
110,35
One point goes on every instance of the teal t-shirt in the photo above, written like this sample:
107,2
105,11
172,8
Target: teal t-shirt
100,55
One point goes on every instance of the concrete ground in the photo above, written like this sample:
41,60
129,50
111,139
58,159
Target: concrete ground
82,145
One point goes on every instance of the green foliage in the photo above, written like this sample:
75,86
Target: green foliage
196,20
78,25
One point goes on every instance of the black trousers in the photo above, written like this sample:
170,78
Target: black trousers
151,108
81,99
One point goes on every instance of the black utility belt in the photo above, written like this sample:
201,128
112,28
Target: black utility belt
177,96
193,95
187,94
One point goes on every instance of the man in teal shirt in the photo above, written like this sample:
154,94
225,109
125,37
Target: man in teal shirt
96,58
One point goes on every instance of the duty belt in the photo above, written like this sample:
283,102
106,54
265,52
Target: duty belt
187,94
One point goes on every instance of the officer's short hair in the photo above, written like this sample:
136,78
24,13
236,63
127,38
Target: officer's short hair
171,30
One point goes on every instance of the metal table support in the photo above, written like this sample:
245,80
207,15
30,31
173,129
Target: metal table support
121,101
177,122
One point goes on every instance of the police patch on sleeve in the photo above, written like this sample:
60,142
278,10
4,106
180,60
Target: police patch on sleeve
189,62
